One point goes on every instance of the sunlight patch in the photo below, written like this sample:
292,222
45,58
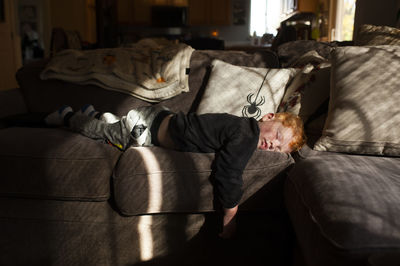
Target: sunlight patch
154,204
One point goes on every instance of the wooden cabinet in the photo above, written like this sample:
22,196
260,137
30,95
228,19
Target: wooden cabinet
198,12
307,5
209,12
137,12
169,2
220,12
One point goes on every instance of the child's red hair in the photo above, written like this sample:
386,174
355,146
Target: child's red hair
296,124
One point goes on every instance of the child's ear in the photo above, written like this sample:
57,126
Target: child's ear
267,117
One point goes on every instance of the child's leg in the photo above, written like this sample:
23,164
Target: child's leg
134,122
117,133
132,129
89,110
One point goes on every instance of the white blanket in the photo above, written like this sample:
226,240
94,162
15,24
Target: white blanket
152,69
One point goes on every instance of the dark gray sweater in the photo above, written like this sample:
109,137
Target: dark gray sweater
233,140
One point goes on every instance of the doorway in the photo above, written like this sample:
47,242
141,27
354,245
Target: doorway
30,27
9,56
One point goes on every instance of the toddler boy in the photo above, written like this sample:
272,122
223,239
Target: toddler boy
233,139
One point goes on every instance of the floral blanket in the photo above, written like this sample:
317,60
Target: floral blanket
151,69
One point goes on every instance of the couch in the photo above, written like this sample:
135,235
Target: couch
70,200
67,199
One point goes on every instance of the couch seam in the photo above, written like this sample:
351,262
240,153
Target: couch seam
53,158
208,171
86,198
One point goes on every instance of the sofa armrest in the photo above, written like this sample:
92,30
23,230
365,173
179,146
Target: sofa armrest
11,102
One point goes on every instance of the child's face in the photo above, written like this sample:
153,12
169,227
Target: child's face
273,135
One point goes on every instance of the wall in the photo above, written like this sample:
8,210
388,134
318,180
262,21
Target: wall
376,13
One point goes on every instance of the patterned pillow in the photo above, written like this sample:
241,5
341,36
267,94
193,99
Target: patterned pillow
291,99
364,107
377,35
308,90
244,91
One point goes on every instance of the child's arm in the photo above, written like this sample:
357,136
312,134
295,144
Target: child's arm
229,223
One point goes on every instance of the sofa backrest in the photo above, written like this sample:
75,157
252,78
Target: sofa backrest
48,95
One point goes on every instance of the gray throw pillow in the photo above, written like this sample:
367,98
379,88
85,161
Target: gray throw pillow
364,107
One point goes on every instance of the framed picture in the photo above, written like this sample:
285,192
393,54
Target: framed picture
2,15
239,13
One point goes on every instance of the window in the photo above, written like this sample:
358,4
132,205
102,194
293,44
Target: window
258,16
266,15
344,20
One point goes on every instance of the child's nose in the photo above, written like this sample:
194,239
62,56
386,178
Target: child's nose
274,144
271,146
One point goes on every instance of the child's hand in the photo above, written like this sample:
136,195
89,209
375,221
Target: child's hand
229,223
228,230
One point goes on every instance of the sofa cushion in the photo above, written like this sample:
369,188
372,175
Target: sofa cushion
155,180
364,107
344,207
54,164
244,91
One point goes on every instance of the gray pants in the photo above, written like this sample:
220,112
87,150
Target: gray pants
132,129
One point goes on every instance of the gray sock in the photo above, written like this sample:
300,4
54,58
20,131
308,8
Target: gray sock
57,118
